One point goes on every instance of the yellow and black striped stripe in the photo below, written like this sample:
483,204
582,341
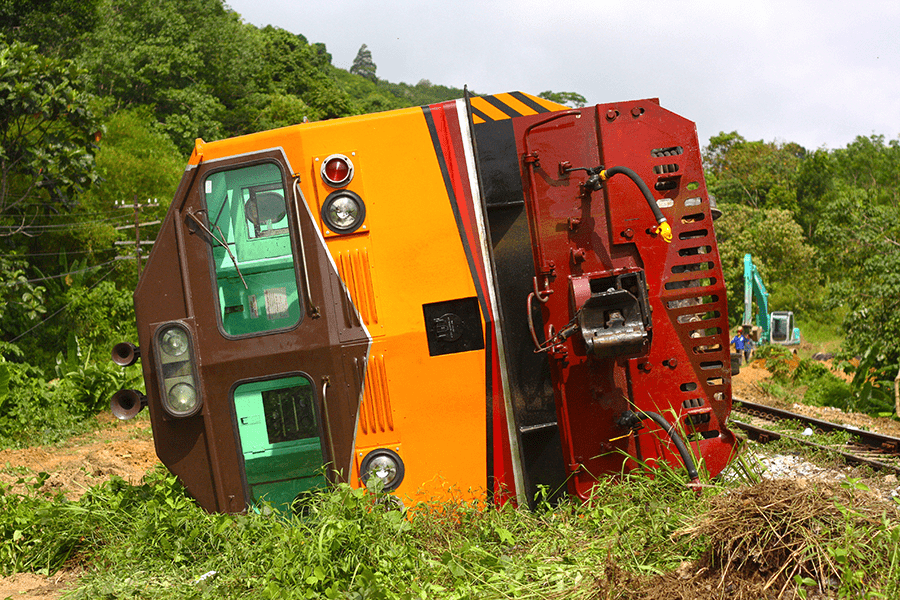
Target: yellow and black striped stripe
506,106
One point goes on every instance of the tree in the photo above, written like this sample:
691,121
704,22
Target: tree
568,98
858,235
55,26
191,60
21,302
815,180
48,136
284,110
363,65
785,261
871,164
758,174
297,68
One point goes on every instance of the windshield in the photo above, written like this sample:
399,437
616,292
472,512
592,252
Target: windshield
255,276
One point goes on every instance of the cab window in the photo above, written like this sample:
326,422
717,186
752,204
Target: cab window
256,280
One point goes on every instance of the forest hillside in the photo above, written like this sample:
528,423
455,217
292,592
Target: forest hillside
103,99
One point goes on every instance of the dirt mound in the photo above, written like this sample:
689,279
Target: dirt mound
28,586
121,448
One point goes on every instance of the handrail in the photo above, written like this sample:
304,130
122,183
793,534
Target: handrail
312,309
326,381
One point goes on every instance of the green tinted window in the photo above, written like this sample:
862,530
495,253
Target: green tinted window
290,414
279,433
255,277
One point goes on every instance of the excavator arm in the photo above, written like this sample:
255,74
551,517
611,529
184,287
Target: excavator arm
755,288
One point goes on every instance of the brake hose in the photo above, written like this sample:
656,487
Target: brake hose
686,457
631,420
663,228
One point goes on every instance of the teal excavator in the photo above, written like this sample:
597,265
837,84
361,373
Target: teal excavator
776,327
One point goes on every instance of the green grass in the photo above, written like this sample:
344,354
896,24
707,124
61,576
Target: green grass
824,334
152,541
825,329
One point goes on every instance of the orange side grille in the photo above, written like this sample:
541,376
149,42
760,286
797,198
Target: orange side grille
375,414
353,267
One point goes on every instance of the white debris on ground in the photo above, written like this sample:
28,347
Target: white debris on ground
782,466
789,466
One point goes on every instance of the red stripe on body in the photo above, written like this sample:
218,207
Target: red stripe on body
446,120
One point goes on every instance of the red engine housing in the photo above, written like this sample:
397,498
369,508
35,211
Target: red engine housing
629,321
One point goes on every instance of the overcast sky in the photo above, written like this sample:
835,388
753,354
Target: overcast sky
818,73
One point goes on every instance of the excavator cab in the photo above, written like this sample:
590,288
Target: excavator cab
781,328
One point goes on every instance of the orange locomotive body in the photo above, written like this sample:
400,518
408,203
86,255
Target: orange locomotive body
458,300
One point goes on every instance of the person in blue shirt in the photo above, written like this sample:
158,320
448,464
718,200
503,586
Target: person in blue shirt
738,342
748,348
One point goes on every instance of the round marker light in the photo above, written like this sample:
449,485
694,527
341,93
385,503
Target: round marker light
174,342
182,399
386,465
343,212
337,170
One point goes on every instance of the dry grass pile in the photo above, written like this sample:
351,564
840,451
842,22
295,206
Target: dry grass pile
790,539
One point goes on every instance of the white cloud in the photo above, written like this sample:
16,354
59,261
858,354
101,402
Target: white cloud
818,73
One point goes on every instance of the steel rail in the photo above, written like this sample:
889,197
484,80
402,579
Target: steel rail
864,446
763,436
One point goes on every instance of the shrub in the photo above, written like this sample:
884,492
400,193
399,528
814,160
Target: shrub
828,391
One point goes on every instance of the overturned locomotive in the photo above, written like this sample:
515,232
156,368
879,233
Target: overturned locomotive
472,298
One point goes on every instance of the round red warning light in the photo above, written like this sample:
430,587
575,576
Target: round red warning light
337,170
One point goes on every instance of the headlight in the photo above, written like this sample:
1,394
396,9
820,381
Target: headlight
178,375
183,398
343,212
174,341
384,464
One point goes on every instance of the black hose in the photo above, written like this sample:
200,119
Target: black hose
686,457
608,173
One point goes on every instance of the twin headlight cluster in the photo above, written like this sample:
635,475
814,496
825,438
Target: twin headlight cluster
178,372
343,211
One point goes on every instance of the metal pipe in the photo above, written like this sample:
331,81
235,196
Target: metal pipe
325,383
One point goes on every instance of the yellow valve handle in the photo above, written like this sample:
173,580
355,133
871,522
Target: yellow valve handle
665,230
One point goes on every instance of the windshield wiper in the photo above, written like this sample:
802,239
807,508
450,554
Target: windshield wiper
221,242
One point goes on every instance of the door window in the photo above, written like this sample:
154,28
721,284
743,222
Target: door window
280,440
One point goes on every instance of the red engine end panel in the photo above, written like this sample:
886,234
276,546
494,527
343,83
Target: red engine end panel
630,321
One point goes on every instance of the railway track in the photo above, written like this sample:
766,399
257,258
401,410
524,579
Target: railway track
880,452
